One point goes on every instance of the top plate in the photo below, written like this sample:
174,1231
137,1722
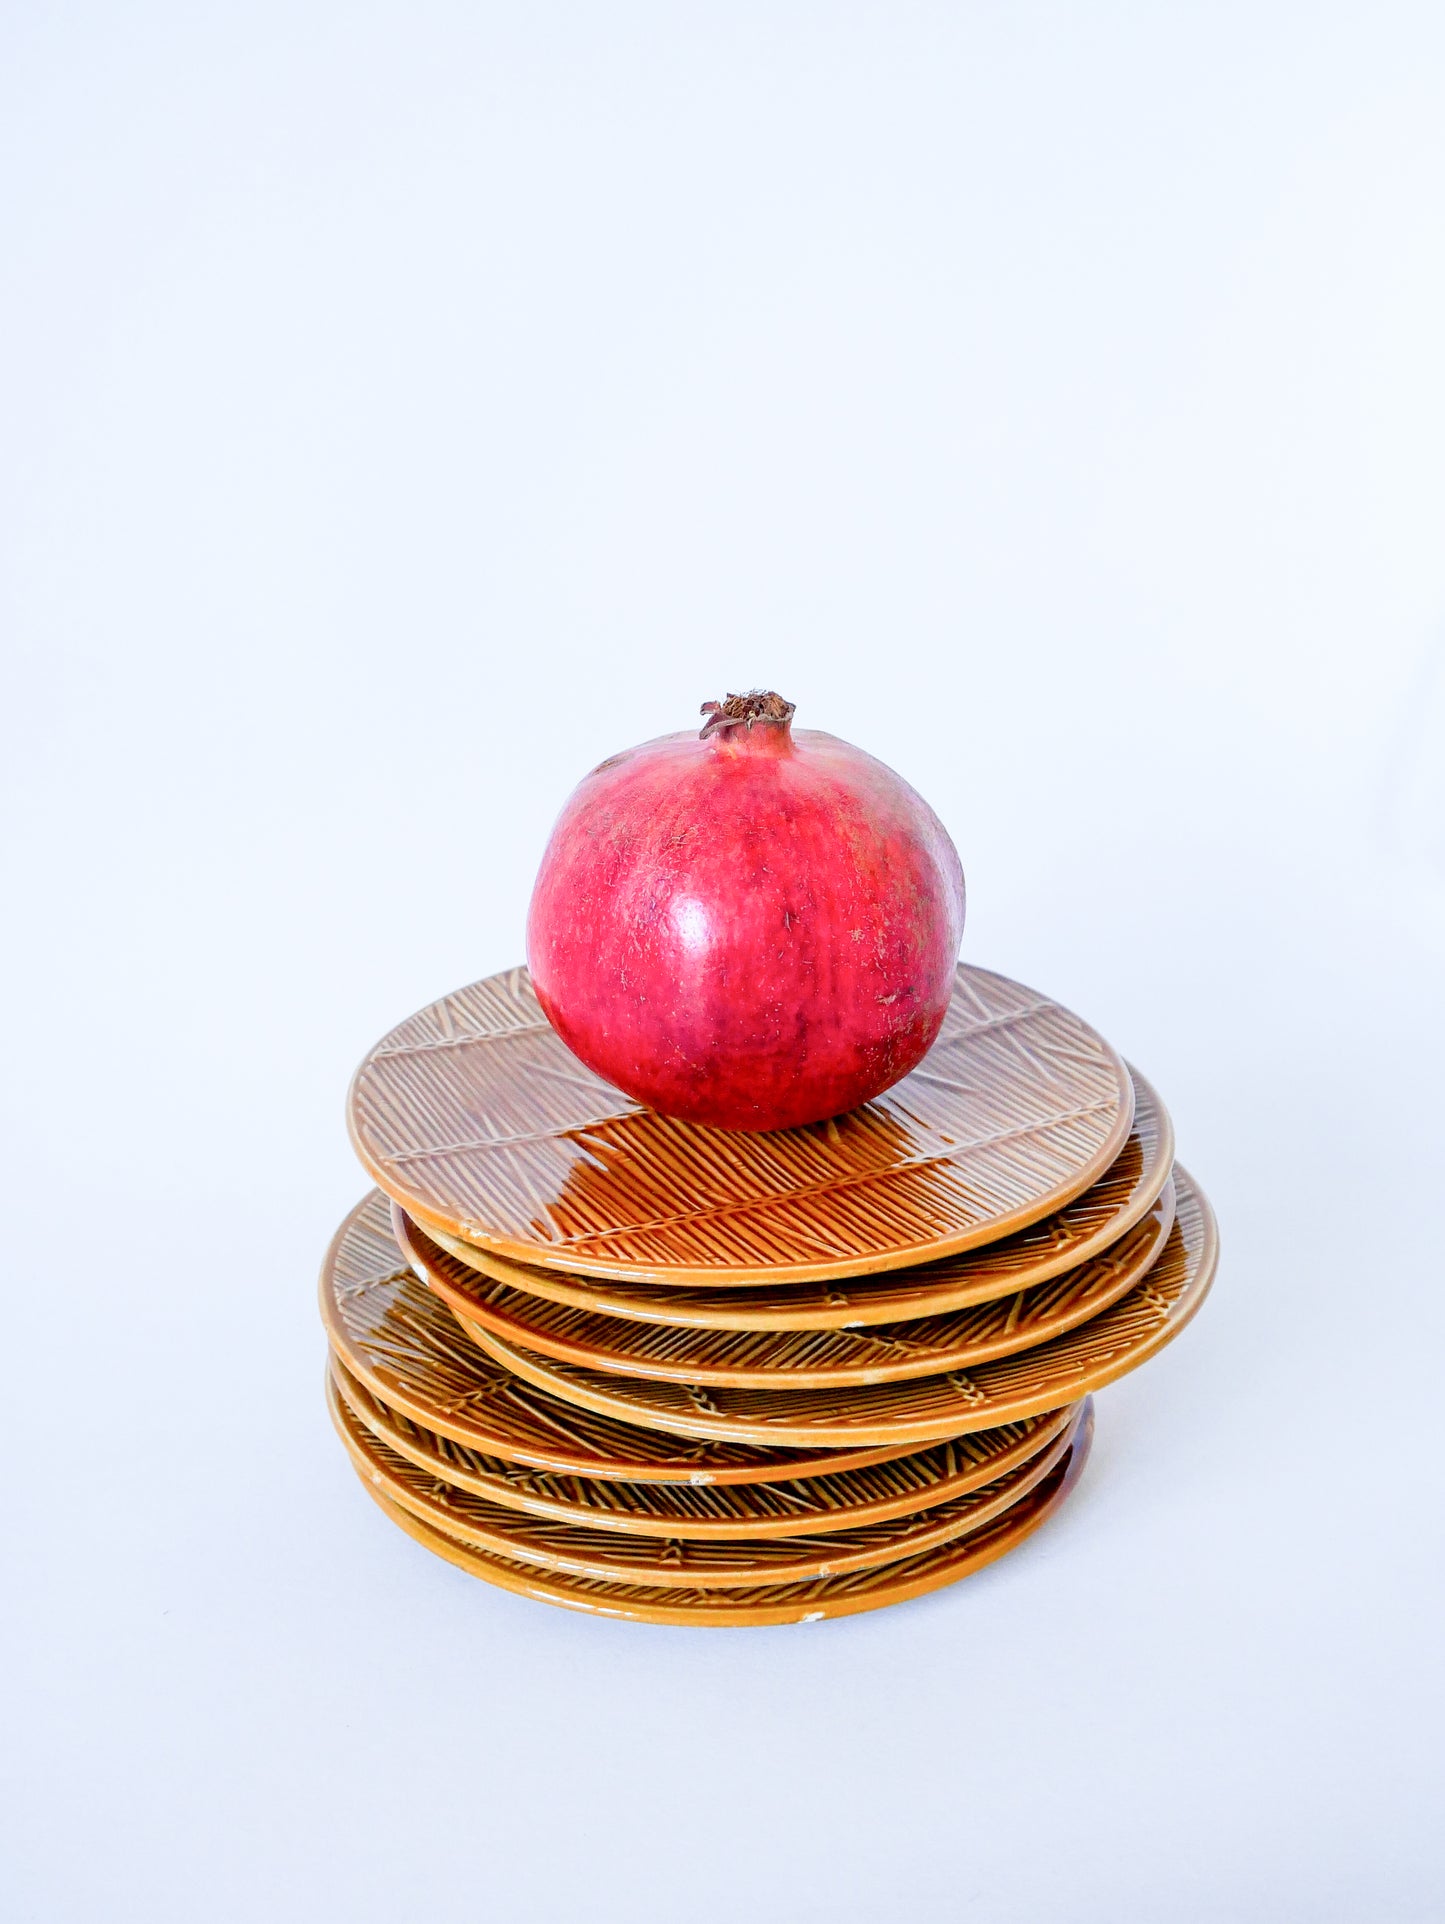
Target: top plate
477,1119
1094,1221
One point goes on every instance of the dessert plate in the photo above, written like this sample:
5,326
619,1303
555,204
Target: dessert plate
922,1409
673,1563
793,1359
812,1506
474,1117
403,1343
770,1603
1082,1229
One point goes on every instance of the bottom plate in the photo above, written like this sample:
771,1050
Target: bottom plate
839,1596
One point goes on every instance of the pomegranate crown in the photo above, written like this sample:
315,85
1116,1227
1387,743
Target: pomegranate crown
741,711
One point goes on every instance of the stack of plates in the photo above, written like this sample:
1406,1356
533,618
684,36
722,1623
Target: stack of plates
651,1370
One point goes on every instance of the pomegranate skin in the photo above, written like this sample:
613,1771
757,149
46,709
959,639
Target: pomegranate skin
752,930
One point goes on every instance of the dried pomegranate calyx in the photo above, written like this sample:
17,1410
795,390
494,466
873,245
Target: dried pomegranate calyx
758,705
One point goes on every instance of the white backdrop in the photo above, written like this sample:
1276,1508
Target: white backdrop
404,406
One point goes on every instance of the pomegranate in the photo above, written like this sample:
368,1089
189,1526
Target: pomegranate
750,927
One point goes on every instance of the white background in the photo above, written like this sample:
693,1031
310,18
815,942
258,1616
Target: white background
404,406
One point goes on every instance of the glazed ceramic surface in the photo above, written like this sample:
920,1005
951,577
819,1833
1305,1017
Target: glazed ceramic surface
767,1604
403,1343
793,1359
477,1120
1082,1229
814,1506
926,1408
677,1563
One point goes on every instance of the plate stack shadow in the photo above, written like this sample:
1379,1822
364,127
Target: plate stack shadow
651,1370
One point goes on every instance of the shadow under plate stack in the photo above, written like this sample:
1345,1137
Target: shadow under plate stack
650,1370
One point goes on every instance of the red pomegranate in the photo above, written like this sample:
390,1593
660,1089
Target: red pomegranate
750,927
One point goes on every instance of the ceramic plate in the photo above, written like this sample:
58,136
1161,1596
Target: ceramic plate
773,1603
793,1359
1082,1229
811,1506
404,1344
925,1408
479,1122
673,1563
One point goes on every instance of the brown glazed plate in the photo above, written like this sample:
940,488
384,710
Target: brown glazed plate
793,1359
677,1563
406,1347
922,1409
1082,1229
777,1603
811,1506
475,1117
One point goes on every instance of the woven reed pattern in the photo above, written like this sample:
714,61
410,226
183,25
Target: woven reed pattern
677,1563
1083,1228
812,1506
805,1359
477,1120
768,1604
926,1408
398,1339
